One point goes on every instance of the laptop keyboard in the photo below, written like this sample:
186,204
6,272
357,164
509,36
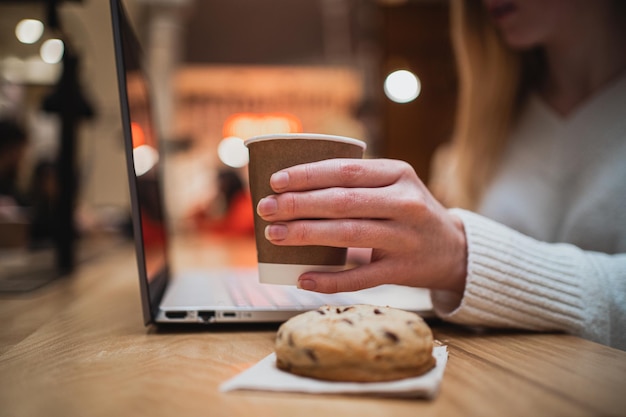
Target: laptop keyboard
245,291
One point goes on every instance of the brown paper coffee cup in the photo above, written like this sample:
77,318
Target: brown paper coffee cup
269,154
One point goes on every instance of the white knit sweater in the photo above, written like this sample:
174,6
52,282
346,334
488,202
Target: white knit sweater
552,255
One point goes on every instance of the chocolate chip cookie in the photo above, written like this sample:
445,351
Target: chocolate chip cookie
360,343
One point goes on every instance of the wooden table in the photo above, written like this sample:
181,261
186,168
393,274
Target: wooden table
78,348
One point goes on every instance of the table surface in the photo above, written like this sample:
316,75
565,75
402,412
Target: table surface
78,347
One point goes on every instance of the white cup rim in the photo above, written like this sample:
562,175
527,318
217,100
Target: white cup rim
313,136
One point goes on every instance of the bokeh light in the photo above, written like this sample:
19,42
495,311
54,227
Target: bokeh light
233,152
52,51
402,86
29,31
144,157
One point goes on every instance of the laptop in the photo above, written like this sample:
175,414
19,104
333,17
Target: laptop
220,295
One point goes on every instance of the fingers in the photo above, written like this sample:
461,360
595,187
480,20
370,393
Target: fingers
355,233
330,203
339,173
343,188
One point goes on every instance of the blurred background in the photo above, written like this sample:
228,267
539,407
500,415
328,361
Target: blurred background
222,71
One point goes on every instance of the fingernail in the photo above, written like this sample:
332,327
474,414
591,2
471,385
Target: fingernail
267,206
275,232
279,180
306,284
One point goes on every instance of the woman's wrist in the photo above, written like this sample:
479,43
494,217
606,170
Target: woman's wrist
458,263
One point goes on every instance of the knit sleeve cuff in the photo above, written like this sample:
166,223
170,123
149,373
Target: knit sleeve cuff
514,281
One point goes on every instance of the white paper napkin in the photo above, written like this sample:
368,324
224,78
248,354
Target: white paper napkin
265,376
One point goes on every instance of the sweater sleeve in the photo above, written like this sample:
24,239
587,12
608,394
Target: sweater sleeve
518,282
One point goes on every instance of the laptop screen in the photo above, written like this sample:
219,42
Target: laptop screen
143,156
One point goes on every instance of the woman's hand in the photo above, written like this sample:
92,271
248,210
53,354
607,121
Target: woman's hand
376,203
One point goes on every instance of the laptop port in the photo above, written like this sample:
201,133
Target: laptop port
229,314
175,314
206,315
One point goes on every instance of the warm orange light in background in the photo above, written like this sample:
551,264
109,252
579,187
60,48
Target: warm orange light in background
246,125
136,131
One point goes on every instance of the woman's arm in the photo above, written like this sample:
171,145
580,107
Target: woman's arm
516,281
481,272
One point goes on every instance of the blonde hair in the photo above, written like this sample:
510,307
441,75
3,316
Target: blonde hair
490,89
